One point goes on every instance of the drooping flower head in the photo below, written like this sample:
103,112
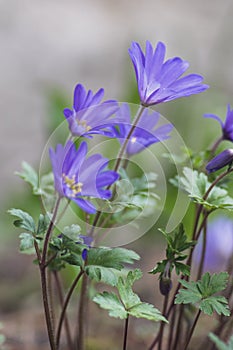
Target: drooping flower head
227,127
77,177
145,133
89,115
160,81
219,245
220,161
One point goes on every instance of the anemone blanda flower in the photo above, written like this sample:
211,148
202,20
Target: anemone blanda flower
219,245
89,115
145,133
227,126
158,81
220,161
77,177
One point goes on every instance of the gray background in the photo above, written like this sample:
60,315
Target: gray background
55,44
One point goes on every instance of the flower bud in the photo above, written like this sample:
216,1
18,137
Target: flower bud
221,160
165,285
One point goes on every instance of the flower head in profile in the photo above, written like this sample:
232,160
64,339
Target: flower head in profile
158,80
77,177
145,133
227,126
219,245
89,115
220,161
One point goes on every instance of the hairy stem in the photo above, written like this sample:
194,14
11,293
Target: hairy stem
44,284
82,314
61,300
65,304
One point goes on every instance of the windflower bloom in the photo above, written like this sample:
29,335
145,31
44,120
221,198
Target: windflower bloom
89,115
219,245
145,133
227,126
158,81
77,177
221,160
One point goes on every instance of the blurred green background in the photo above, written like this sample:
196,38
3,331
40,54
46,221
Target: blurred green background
49,46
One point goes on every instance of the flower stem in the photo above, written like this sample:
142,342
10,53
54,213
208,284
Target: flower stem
192,329
125,143
159,336
119,158
61,300
65,304
44,285
126,332
82,314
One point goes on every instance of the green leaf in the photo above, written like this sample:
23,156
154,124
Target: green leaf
110,302
201,293
25,220
29,175
26,243
46,190
128,302
147,311
103,261
102,274
177,244
220,344
196,185
128,297
43,223
72,231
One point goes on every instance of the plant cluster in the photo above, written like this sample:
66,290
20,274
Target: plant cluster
96,197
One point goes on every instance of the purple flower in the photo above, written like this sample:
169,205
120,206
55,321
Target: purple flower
89,115
221,160
158,81
76,176
227,127
219,245
145,133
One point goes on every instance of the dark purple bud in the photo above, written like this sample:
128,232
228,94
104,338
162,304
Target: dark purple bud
84,254
165,285
221,160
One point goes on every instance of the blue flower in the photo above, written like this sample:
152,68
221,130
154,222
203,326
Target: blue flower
220,161
145,133
76,176
158,81
90,116
227,127
219,245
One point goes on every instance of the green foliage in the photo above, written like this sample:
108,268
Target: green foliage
72,232
202,293
196,185
29,175
220,344
133,196
34,232
26,243
177,243
24,221
102,263
43,186
127,303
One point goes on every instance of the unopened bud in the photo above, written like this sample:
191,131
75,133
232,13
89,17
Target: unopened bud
165,285
222,159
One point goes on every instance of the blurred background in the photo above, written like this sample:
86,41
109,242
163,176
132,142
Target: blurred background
49,46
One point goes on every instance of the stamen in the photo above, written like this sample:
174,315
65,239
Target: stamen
76,187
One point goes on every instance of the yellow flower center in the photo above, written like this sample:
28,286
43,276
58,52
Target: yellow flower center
83,123
76,187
